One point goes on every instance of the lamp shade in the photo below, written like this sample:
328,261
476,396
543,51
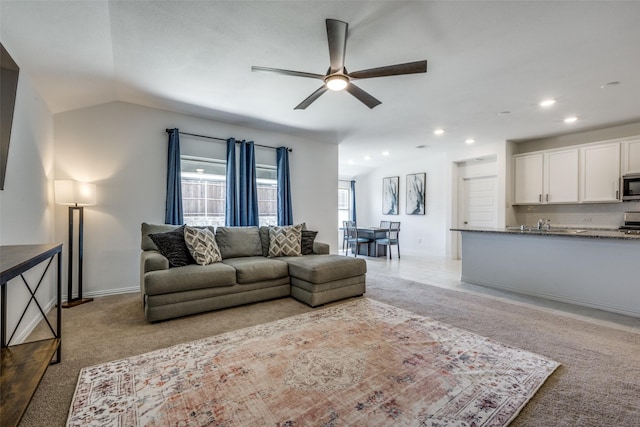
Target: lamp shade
75,193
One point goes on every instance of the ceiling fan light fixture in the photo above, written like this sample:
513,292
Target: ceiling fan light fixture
336,82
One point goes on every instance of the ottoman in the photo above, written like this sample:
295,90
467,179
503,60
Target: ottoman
321,279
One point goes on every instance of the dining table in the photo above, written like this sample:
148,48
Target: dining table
372,233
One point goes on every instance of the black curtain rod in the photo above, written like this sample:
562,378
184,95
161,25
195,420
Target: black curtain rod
221,139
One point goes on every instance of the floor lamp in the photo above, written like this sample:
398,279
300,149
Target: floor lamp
76,195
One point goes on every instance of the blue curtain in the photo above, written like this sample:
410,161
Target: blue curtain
285,212
353,202
231,212
173,209
248,194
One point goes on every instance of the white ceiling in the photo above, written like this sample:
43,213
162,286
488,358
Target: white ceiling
484,57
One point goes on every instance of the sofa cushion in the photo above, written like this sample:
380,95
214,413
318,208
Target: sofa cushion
238,242
146,243
188,278
264,239
325,268
202,245
306,242
285,241
171,244
255,269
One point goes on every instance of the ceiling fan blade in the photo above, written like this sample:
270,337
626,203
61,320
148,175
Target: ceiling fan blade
315,95
363,96
337,38
391,70
289,72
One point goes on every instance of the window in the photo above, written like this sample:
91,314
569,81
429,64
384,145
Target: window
267,181
204,192
344,207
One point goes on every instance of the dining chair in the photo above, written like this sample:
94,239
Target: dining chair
345,234
385,224
391,239
355,241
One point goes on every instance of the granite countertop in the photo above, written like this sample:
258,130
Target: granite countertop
589,233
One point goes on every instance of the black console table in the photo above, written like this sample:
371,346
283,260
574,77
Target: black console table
22,366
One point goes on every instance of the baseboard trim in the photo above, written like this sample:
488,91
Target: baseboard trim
118,291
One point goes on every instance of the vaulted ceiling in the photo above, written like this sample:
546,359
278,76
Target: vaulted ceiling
489,65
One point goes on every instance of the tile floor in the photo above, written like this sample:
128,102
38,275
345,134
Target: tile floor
443,272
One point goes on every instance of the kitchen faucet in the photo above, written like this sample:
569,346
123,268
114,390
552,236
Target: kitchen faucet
544,224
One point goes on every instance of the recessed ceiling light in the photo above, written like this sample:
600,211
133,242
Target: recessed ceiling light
470,141
385,153
438,131
422,146
201,171
571,119
367,157
547,102
504,113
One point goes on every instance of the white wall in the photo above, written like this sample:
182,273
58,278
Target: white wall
26,203
420,234
122,148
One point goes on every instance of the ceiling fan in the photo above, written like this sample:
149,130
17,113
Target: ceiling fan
337,77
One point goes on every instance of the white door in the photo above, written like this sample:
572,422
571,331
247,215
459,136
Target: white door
477,204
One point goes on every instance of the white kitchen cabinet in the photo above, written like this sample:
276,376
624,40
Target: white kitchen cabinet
631,156
600,173
528,173
561,176
547,177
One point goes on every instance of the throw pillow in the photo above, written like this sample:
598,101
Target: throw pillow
202,245
308,238
237,242
171,244
264,239
285,241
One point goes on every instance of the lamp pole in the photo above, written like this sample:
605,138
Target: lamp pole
72,302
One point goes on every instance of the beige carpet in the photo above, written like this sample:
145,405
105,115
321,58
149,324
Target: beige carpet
362,363
598,383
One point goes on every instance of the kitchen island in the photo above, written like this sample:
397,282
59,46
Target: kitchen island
589,267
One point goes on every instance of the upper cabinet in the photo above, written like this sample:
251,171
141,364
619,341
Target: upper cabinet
631,156
528,178
561,176
549,177
587,173
600,173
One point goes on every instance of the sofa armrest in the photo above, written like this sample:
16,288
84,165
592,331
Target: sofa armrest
152,261
320,248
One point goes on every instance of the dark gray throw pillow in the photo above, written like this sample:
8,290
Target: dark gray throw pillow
308,238
172,245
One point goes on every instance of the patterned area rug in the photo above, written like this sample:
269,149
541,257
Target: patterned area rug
359,363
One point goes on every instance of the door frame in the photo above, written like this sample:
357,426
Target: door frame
456,174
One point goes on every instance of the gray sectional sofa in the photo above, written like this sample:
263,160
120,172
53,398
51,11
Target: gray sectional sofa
245,275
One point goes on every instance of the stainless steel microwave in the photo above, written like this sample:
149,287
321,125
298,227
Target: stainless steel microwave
630,187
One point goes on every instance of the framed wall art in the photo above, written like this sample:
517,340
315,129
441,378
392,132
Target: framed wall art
416,193
390,195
